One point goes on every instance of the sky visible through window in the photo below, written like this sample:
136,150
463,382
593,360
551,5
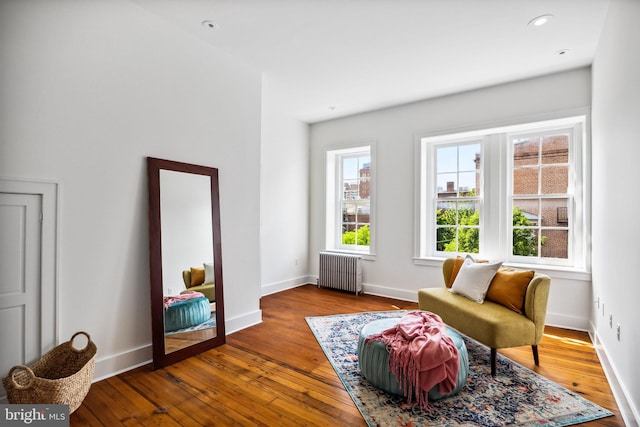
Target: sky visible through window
457,164
352,166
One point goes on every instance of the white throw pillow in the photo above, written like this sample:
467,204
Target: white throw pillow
473,279
209,275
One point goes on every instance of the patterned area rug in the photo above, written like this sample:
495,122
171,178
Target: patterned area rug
515,396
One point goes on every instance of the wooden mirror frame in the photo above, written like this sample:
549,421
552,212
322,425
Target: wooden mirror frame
160,357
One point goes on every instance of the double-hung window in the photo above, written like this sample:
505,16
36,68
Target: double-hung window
514,193
350,174
540,196
457,196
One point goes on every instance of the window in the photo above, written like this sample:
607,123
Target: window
349,199
514,193
457,197
539,197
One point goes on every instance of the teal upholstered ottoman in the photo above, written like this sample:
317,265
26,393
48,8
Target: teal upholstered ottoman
184,314
374,360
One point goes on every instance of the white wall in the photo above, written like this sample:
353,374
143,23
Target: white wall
284,196
616,150
87,90
393,272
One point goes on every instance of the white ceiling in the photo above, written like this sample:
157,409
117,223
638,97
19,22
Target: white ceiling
361,55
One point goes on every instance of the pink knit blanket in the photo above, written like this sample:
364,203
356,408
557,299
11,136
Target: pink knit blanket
421,355
171,299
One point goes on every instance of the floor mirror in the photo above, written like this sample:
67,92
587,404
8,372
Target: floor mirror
185,259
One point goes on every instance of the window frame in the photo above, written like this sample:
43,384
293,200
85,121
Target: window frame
496,180
333,198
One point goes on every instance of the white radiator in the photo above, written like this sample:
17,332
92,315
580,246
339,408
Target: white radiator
340,271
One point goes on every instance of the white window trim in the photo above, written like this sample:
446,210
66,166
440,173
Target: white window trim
332,216
494,217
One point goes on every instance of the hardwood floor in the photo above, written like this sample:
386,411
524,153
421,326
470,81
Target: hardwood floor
275,374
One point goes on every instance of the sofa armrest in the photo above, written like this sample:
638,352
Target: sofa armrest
535,302
447,269
186,277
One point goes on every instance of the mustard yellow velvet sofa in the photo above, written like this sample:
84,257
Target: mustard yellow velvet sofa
208,289
491,323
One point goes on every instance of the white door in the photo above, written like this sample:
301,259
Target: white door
20,280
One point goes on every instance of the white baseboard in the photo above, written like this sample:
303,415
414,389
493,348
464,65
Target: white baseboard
567,322
122,362
273,288
382,291
630,413
242,322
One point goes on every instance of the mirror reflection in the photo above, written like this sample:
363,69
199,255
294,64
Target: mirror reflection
187,259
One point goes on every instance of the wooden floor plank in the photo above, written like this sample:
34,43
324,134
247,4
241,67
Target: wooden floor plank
276,373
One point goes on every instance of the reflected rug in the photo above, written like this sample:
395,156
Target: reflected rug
515,396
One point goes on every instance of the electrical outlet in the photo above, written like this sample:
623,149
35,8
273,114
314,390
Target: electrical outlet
618,331
611,320
170,290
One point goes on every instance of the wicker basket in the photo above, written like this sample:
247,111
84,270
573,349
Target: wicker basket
62,376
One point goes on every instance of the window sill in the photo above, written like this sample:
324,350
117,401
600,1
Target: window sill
555,272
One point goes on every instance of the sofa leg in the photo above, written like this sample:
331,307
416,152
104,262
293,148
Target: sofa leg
493,361
536,359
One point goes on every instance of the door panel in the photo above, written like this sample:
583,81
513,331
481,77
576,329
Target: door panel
20,280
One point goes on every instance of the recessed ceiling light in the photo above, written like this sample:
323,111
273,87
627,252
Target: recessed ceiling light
539,21
210,25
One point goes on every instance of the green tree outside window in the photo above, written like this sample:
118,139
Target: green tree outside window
360,237
525,240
